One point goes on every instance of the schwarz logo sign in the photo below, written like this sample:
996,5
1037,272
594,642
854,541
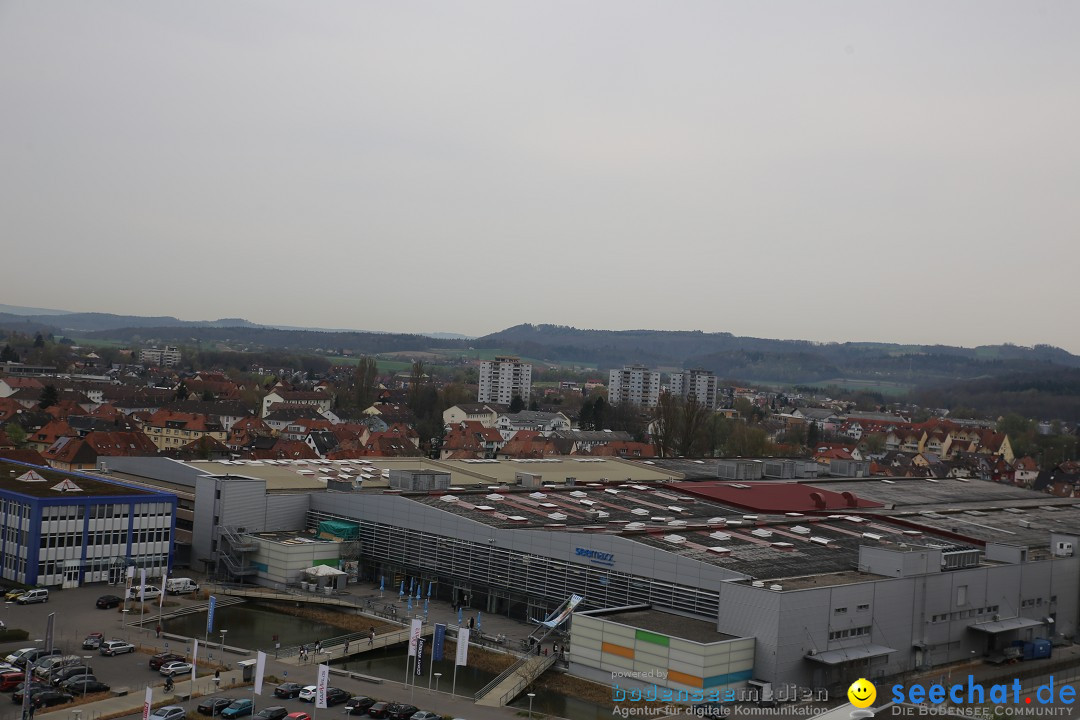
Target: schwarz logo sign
595,556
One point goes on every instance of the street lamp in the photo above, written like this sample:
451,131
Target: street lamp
531,696
223,645
87,658
437,676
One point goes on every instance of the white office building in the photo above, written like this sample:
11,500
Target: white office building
504,378
697,384
635,385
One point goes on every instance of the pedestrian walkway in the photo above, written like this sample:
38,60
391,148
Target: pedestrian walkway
357,646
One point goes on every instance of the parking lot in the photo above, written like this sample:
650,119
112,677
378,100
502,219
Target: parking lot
76,616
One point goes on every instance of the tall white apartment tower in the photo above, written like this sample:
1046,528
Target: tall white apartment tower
634,384
503,378
698,384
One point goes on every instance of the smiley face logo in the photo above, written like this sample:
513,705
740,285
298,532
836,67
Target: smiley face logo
862,693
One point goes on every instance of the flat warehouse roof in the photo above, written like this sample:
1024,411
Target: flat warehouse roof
87,487
666,623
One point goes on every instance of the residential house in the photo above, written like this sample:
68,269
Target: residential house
825,419
10,384
484,413
529,445
278,396
244,431
543,422
583,442
82,453
168,429
471,439
43,438
1025,472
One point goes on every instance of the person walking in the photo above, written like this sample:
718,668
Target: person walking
371,637
318,647
346,647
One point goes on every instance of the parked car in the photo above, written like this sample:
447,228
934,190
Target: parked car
64,674
93,641
298,716
169,712
13,593
35,687
425,715
48,698
213,705
378,710
336,696
275,712
175,667
85,685
163,657
238,708
35,654
401,711
107,602
148,592
10,679
116,647
358,705
46,666
37,595
307,693
15,655
181,586
288,690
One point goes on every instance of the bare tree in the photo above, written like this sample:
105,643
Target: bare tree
665,430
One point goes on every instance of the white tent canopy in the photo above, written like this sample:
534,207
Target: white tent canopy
324,571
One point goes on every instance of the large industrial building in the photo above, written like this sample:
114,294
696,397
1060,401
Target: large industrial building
64,529
826,579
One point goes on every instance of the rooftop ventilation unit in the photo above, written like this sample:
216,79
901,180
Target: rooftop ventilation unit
719,550
758,584
719,536
783,545
761,533
800,530
675,539
635,526
820,540
873,536
776,587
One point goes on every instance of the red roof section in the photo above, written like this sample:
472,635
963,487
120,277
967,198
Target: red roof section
775,496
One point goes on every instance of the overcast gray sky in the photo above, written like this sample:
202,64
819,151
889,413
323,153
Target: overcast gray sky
901,171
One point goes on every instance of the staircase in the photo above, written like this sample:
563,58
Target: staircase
233,552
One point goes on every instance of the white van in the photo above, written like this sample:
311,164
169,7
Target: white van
181,586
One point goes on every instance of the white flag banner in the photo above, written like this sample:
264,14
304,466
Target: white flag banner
260,667
142,584
320,686
194,661
147,702
462,657
414,635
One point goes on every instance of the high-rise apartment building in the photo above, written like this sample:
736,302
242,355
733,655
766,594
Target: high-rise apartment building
634,384
504,378
169,357
700,385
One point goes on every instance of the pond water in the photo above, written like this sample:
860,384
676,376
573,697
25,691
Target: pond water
254,629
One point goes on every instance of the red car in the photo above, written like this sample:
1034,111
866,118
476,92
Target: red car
298,716
10,680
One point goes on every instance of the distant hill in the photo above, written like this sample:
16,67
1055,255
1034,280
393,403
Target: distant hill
766,360
20,310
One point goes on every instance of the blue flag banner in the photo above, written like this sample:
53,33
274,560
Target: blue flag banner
440,637
210,615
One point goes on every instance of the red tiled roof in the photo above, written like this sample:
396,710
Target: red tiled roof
775,496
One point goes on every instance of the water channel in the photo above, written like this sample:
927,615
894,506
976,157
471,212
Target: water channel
254,629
